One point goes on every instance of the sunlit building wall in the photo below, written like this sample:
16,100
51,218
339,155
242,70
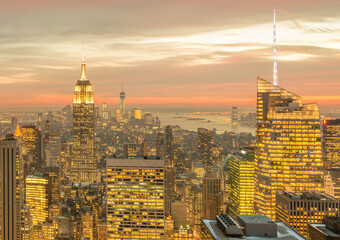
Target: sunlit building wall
331,143
37,198
241,183
300,209
135,198
288,146
83,164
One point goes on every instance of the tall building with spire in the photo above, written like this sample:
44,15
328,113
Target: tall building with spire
122,102
288,154
83,165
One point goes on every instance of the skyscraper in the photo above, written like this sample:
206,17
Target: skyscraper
10,189
212,195
234,116
241,183
288,146
135,198
204,145
36,198
122,102
105,112
288,152
169,146
331,143
83,164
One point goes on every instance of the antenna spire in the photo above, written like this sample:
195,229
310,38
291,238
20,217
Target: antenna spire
83,67
275,80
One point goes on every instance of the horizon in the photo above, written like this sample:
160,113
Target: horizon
210,59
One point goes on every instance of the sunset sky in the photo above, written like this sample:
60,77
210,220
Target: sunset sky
170,53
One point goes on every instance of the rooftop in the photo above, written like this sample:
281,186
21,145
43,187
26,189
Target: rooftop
284,232
307,196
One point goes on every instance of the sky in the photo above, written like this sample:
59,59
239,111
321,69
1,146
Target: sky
178,53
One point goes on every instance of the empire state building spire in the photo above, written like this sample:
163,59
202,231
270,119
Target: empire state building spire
83,69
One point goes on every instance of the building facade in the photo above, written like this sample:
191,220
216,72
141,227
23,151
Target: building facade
331,143
11,198
241,183
83,164
300,209
135,198
288,146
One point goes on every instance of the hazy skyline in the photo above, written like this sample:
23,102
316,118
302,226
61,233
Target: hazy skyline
167,53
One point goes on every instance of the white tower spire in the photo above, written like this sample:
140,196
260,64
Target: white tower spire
275,81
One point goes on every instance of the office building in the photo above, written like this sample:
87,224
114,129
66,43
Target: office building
204,146
105,112
169,147
241,183
234,116
212,195
132,149
33,142
83,164
135,198
37,198
288,146
331,143
300,209
328,230
118,115
137,114
11,172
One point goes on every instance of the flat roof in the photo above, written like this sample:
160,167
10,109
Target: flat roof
283,232
322,228
255,218
134,162
313,196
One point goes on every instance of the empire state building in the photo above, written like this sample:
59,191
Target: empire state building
83,165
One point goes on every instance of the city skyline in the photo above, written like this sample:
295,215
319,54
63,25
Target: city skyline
199,51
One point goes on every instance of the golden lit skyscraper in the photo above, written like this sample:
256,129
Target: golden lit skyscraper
241,183
83,165
10,189
331,143
135,198
288,146
36,198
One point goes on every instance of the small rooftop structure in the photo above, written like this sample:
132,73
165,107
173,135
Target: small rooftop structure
255,224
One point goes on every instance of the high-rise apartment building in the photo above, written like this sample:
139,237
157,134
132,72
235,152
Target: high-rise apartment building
10,189
83,164
37,198
288,152
135,198
241,183
331,143
301,209
204,146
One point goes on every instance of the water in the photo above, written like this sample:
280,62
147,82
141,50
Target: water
186,121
